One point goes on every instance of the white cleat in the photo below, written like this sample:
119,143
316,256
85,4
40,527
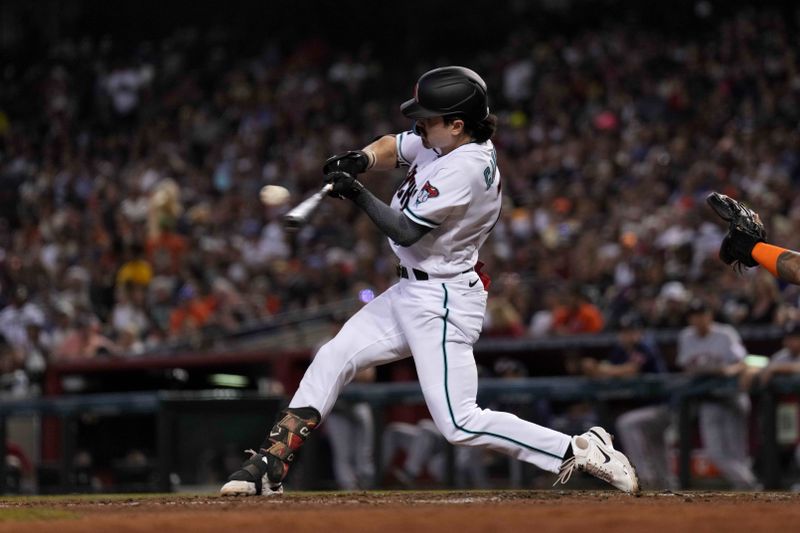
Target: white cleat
595,454
248,488
251,479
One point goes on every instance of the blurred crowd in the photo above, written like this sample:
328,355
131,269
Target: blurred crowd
130,179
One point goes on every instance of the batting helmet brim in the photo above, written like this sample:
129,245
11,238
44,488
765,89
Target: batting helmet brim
413,109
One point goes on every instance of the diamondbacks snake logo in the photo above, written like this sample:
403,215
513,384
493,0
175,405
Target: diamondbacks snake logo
427,191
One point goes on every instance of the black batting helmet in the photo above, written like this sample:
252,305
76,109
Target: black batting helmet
448,91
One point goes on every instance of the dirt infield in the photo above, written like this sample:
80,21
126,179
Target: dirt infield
388,512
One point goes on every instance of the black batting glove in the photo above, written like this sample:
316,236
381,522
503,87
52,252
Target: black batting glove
738,246
354,162
345,185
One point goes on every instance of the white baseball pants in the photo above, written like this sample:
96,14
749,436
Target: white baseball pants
436,322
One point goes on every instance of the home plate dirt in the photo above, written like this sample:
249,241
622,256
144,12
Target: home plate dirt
406,511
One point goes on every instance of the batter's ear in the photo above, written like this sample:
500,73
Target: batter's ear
458,127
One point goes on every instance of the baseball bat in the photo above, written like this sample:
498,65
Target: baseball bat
300,214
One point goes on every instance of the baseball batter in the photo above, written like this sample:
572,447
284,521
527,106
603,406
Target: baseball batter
441,214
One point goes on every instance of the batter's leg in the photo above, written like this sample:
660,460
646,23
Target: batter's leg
371,337
441,324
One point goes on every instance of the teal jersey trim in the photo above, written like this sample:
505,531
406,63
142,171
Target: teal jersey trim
420,220
447,393
400,149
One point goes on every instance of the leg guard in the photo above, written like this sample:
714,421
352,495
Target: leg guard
293,427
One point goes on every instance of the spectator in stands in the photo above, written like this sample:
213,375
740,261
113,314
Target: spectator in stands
787,359
671,305
604,183
123,84
706,347
85,341
137,269
35,351
129,341
159,302
165,247
576,314
77,288
9,363
231,310
129,313
193,312
641,429
13,317
503,319
764,299
542,320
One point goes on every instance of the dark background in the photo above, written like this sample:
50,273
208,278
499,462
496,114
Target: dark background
414,31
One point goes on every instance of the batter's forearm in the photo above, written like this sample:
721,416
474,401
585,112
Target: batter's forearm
384,151
393,224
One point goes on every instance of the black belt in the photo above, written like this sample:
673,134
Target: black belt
419,275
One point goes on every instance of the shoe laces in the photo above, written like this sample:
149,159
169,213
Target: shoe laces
569,466
565,471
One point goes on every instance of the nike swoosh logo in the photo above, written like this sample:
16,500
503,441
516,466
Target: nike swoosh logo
472,283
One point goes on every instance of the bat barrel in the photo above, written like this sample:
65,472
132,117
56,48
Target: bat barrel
298,216
293,222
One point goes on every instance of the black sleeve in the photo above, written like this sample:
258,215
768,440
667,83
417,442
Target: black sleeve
393,224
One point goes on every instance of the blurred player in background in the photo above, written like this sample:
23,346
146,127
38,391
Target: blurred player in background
350,434
706,347
641,429
786,361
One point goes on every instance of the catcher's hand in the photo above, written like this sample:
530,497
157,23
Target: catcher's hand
745,230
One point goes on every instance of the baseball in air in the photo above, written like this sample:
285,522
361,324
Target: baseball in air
273,194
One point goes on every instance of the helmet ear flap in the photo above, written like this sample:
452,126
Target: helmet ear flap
415,128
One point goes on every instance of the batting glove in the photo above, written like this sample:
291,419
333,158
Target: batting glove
345,185
355,162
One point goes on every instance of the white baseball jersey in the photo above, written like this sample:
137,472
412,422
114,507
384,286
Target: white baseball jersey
436,320
458,195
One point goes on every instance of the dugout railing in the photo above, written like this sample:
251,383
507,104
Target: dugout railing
169,407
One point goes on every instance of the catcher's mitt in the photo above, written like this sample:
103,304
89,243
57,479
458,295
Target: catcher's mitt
745,230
